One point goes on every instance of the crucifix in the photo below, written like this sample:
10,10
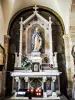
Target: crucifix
35,8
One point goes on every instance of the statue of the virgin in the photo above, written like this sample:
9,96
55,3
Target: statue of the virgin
36,40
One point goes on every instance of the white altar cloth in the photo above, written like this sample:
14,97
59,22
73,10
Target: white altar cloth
35,74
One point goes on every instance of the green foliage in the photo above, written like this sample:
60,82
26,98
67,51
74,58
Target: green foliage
26,63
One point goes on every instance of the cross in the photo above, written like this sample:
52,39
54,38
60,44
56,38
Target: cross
35,8
21,19
49,18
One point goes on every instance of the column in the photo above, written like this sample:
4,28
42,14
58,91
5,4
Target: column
72,65
50,38
53,83
68,40
26,41
16,60
72,39
43,86
58,84
20,42
26,82
6,44
53,87
17,83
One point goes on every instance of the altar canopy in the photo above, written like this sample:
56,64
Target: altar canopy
36,20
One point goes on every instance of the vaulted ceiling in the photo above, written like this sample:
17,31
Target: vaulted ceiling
62,7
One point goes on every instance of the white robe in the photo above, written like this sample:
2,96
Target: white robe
37,43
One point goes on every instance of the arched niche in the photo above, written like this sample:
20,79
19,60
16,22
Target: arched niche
29,33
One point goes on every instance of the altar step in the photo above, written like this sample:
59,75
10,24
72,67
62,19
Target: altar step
26,98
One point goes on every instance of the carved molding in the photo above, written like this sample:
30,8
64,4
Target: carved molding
72,29
6,38
72,35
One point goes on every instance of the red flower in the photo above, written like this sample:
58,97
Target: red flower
51,65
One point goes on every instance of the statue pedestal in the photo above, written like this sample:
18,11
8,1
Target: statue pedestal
35,57
36,61
54,94
35,54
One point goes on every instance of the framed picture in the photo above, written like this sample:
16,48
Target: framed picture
2,53
35,67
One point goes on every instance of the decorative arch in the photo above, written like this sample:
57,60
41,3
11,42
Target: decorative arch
29,34
40,7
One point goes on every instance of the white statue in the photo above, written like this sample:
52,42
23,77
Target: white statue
36,40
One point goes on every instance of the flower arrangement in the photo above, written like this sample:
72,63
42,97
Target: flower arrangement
26,63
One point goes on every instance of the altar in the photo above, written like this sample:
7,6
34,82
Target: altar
38,69
39,80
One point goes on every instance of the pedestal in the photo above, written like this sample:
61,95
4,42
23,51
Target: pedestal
36,61
43,83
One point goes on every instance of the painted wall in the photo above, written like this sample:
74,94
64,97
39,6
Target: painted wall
1,26
7,6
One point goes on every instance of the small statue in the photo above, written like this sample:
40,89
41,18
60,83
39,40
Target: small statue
36,40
